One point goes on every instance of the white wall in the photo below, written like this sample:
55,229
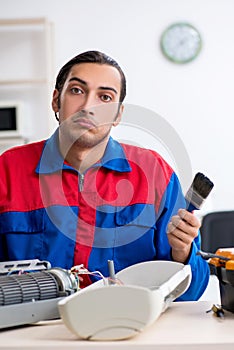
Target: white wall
196,98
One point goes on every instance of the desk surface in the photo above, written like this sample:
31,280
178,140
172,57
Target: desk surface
184,325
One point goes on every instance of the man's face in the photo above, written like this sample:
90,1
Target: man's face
89,103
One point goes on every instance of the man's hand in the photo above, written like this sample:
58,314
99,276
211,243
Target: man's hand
182,230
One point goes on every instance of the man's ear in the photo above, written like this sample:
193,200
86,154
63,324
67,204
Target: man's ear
55,101
119,115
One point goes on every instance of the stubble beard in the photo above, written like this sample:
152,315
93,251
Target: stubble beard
83,138
87,140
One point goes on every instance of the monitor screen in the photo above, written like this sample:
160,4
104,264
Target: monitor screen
8,119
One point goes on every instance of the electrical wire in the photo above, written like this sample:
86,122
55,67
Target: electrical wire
79,270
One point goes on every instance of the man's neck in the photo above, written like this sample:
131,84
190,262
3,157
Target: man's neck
83,158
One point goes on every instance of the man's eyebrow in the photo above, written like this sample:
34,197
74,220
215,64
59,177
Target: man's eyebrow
85,83
108,88
79,80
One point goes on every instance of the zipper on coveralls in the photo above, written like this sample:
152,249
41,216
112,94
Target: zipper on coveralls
81,182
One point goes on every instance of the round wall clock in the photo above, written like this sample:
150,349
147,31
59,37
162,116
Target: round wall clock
181,42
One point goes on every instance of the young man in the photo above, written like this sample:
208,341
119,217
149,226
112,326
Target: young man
81,197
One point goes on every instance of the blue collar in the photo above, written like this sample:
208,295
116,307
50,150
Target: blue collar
51,159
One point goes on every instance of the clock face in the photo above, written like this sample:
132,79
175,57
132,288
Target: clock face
181,42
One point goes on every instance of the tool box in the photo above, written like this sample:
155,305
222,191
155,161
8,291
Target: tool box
223,267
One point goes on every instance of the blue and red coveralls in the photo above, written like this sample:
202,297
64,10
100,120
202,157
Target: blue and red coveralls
117,210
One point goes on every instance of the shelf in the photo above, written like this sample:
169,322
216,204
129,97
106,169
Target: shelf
30,43
22,21
23,82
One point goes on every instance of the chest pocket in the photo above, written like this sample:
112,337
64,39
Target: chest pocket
38,235
133,222
28,222
22,235
134,235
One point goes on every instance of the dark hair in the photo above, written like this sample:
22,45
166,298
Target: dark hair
90,57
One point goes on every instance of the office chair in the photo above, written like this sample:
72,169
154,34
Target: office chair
217,231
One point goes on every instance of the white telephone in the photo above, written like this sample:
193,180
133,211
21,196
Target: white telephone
114,312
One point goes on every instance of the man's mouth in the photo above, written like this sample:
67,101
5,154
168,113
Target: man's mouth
84,122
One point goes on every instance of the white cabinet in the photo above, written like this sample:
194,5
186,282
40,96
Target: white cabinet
27,74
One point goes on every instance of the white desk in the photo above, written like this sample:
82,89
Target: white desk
185,325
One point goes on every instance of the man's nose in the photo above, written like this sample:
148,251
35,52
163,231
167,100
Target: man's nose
89,104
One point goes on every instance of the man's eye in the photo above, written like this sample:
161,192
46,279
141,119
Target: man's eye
76,90
106,98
